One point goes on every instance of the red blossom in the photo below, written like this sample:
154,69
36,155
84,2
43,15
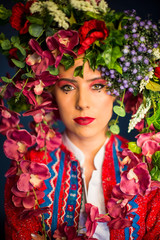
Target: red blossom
132,102
157,72
62,42
18,19
39,60
90,32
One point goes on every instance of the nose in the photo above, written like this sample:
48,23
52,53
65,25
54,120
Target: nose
82,99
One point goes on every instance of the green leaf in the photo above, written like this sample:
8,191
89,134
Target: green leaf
6,45
4,13
50,32
5,79
115,129
27,75
20,48
155,174
155,118
115,54
15,39
156,159
134,148
35,20
52,70
119,111
118,68
67,61
18,63
35,30
120,103
78,71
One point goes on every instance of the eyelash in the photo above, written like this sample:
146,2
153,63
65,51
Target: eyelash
95,87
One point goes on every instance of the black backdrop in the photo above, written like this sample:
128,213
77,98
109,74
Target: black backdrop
144,9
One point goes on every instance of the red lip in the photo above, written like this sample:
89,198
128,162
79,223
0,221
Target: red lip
83,120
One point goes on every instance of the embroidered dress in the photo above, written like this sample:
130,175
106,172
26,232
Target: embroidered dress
63,194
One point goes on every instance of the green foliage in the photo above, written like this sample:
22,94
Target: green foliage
155,173
4,13
120,111
7,80
35,20
5,44
134,148
78,71
67,61
156,159
52,70
18,64
115,129
27,75
20,105
35,30
155,118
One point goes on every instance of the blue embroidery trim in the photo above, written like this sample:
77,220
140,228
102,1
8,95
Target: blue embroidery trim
57,192
115,159
135,220
47,201
72,197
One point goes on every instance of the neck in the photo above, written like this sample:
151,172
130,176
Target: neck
89,146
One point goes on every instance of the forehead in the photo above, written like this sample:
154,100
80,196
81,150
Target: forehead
88,73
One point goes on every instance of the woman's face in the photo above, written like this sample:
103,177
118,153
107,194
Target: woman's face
84,106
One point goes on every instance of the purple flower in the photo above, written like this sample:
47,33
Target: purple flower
140,49
155,45
139,58
134,71
142,38
62,42
39,60
125,69
135,43
133,52
142,23
127,64
146,61
126,36
134,59
17,143
139,77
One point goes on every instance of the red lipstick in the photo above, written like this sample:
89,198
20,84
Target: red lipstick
84,120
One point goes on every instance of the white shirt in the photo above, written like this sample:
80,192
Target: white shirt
95,191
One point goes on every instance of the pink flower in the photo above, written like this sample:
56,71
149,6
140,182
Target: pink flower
119,223
25,199
129,158
17,143
93,217
136,181
42,81
47,137
39,111
32,176
39,60
28,213
62,42
149,142
8,119
65,232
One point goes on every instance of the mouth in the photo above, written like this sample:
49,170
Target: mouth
84,120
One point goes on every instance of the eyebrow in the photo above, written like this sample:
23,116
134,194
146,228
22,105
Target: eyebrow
74,81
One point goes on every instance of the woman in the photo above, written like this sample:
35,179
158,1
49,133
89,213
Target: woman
90,185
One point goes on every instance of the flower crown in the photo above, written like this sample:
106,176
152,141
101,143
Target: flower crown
125,48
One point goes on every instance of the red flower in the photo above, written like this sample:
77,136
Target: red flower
157,72
90,32
18,19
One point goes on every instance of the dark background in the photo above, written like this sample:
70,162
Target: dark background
144,8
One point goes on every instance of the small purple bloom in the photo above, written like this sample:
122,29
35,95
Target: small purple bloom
109,84
149,51
137,18
139,77
149,22
126,36
125,85
107,73
142,38
135,35
134,30
133,52
112,76
130,89
155,45
154,26
125,69
121,87
139,58
135,43
134,25
134,83
119,80
134,71
140,49
146,61
127,64
112,71
103,69
146,26
122,58
146,78
125,81
134,59
150,69
142,23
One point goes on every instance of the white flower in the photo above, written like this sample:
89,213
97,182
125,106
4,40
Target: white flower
84,6
143,84
141,112
36,7
156,53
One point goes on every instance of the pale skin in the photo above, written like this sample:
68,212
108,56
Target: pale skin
83,97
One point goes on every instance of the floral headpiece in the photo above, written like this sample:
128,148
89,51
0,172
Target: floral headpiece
125,48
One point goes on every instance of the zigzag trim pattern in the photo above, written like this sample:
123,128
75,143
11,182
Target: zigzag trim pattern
79,195
48,201
67,186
